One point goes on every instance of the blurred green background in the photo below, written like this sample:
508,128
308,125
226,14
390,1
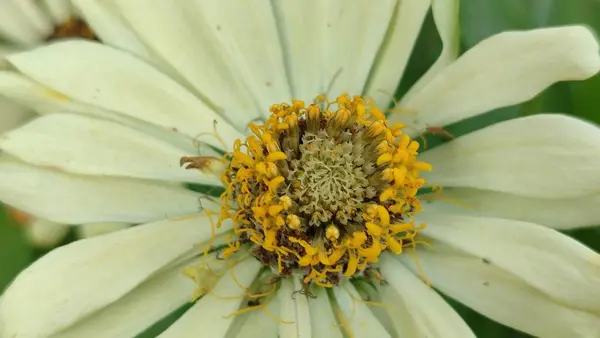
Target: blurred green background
478,19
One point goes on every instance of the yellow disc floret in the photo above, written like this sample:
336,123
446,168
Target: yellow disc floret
321,191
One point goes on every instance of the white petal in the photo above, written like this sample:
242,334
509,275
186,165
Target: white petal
503,297
353,35
301,27
396,50
85,145
73,199
35,17
120,82
6,49
186,42
258,324
555,213
445,15
430,315
60,10
45,234
557,265
96,229
323,321
103,17
43,99
295,315
15,27
12,115
155,298
248,34
39,98
341,51
503,70
354,315
73,281
547,156
211,315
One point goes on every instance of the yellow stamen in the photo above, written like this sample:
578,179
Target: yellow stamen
293,221
290,189
278,155
332,233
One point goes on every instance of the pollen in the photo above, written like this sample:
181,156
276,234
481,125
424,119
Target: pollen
321,190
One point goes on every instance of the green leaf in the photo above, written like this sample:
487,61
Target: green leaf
427,49
209,190
483,18
15,253
586,99
157,328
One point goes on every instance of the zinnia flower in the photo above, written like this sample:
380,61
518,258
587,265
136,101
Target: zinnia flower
319,230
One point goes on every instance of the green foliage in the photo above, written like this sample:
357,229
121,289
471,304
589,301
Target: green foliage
15,253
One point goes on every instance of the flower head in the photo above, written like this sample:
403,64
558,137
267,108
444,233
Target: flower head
323,191
318,226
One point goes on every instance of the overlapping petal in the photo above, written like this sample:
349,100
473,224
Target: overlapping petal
503,70
558,266
504,297
79,279
544,156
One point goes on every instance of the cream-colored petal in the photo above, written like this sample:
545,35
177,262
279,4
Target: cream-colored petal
35,17
557,265
503,297
560,214
258,323
546,156
212,315
74,199
445,15
396,50
343,41
97,229
352,37
323,320
15,26
40,98
149,302
185,41
6,49
103,17
59,10
43,99
85,145
301,26
429,315
120,82
248,34
74,281
12,114
45,234
295,314
505,69
354,315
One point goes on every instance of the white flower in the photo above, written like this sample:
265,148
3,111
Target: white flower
120,120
